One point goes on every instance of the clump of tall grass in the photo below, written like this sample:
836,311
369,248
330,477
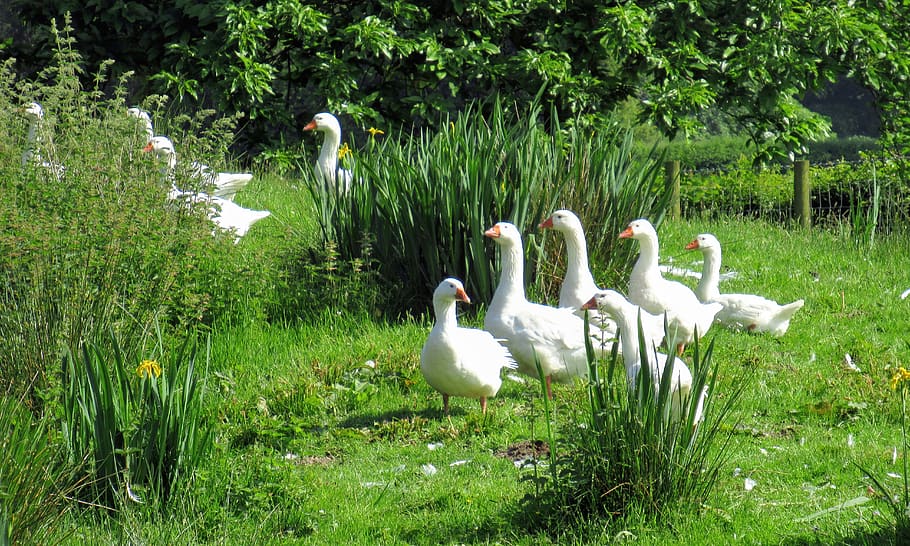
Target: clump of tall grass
627,449
424,200
139,427
34,486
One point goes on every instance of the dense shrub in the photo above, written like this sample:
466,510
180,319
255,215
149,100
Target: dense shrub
97,245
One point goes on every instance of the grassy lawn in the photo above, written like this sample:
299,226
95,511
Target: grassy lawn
328,434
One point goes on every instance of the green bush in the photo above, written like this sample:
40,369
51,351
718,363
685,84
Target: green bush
101,246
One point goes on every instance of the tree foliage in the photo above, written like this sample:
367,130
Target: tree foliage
398,62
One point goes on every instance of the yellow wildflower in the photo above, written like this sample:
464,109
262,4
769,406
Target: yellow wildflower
148,368
900,376
374,131
344,150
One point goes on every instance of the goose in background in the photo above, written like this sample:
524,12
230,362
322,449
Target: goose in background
578,283
625,313
648,289
534,332
225,184
327,170
740,311
461,361
35,142
224,213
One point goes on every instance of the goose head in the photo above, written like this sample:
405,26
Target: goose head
504,233
324,122
705,241
163,149
451,289
33,111
609,301
639,229
563,221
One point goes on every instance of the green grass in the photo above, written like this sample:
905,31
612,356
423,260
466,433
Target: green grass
315,446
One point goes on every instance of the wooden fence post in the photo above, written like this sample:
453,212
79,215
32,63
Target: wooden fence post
671,176
801,187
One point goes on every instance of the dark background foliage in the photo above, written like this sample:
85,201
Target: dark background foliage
396,64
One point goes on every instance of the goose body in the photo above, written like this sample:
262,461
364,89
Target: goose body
741,311
224,213
626,314
327,170
461,361
578,285
224,184
648,289
531,331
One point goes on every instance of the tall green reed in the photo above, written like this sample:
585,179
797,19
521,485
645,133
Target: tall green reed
34,486
424,200
137,430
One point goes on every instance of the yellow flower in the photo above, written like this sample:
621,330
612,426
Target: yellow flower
148,368
374,131
344,150
900,376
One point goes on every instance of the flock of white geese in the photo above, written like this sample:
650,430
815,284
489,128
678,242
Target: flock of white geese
517,333
521,334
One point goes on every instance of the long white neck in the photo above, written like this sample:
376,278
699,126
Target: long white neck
577,273
511,279
647,263
31,146
445,314
708,287
328,155
627,320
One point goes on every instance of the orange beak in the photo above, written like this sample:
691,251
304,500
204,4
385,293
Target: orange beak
147,147
493,232
548,223
311,126
693,245
626,233
590,304
461,295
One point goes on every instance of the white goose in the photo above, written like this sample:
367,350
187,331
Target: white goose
554,337
225,184
33,147
744,311
226,214
327,170
626,315
657,295
461,361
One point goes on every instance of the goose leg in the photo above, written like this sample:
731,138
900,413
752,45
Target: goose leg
445,403
680,348
483,405
548,380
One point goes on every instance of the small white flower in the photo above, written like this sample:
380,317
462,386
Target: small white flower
370,364
849,440
894,475
737,471
763,451
428,469
749,484
434,446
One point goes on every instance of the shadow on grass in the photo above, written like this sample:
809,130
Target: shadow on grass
399,415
